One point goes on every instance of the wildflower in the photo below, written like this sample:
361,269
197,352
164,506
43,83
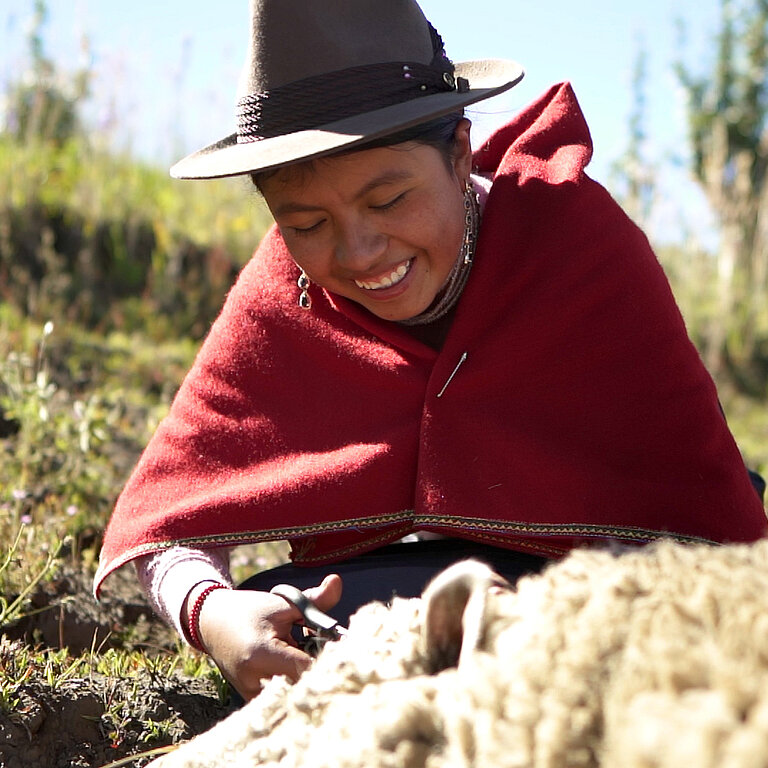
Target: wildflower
25,519
48,329
19,494
72,510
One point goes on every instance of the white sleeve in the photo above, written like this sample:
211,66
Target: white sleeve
167,578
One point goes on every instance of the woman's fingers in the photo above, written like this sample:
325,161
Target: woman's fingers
248,634
327,593
295,610
287,660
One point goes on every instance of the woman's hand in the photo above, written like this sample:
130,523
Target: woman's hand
248,634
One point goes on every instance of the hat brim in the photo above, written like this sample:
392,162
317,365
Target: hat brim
227,157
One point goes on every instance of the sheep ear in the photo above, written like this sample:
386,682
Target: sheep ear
453,606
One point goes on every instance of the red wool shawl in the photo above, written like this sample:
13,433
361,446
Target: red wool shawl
566,404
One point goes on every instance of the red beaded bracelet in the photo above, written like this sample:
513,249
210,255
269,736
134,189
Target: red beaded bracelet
193,620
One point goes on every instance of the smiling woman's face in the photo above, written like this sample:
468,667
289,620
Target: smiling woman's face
382,226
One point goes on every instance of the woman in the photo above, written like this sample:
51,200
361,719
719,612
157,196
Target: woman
474,346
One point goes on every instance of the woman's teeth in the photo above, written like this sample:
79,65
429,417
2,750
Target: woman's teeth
387,281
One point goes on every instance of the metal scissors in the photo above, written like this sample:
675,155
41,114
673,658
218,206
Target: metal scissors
319,626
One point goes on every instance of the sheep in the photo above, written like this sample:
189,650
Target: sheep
645,658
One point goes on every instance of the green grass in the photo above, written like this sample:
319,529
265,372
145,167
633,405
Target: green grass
79,406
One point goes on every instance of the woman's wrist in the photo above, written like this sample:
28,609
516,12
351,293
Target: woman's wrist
168,579
193,606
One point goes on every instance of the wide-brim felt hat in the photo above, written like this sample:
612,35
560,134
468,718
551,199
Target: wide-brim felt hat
322,76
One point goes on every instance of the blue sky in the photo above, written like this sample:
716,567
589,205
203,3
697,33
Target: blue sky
167,71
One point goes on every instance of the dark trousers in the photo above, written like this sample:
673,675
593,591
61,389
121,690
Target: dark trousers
397,569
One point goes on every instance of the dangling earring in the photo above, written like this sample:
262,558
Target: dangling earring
471,222
305,300
457,277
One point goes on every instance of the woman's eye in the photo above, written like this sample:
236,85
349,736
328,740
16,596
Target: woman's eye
390,203
307,230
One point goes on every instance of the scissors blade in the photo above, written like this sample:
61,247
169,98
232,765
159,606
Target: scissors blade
314,618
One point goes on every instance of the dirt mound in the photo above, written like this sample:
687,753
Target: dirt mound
87,723
64,614
50,718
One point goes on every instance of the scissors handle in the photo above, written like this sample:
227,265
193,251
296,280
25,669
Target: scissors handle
314,618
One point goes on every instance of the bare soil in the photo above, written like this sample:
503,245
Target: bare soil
93,720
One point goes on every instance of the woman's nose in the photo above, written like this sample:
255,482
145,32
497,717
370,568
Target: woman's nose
360,247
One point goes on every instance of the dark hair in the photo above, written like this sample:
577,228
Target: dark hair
440,133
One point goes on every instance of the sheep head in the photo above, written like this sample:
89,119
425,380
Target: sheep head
454,610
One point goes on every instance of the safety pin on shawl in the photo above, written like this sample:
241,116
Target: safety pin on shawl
453,373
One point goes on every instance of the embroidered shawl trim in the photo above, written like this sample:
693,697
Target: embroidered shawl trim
487,530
